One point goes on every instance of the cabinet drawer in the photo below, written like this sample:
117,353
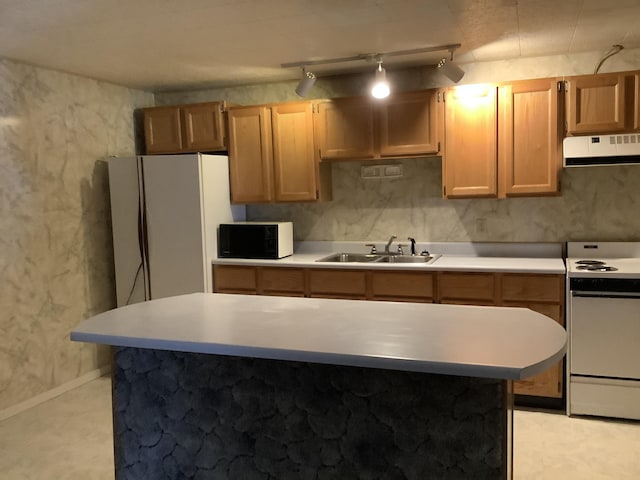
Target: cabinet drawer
537,288
277,281
234,279
402,286
551,310
479,287
338,283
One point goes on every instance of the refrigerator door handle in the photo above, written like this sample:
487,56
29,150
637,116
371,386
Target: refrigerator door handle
143,234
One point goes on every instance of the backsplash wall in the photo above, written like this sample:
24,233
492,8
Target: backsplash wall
56,260
596,203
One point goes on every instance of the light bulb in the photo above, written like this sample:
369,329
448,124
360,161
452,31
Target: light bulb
381,87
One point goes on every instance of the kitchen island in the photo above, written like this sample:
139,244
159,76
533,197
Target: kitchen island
235,386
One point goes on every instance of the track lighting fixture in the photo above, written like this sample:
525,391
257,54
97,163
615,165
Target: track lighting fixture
447,67
380,87
450,70
305,83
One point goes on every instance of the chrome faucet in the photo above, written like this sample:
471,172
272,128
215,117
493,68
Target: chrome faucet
386,247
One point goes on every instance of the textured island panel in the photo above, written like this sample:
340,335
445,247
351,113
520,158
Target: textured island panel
188,415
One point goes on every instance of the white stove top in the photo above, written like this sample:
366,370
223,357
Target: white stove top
622,257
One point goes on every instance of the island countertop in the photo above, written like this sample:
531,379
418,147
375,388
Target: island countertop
491,342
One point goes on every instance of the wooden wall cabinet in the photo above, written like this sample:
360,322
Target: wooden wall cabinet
530,138
470,161
503,141
199,127
344,129
598,103
272,155
360,128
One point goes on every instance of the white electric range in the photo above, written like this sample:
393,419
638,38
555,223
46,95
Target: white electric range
603,322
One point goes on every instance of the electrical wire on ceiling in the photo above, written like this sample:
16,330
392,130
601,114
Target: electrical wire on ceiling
615,49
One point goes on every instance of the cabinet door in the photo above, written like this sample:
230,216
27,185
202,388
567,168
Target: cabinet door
235,279
469,288
596,104
162,130
287,282
344,129
547,383
294,162
338,283
250,154
204,127
470,161
402,286
407,124
529,146
519,287
636,102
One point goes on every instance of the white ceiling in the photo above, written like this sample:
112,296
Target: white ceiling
170,44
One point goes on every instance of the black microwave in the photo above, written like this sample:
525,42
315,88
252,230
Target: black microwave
267,240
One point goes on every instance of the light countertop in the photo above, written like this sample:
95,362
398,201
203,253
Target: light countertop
491,342
516,258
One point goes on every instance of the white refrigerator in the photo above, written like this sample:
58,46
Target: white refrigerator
165,210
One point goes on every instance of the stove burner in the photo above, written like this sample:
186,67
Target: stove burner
589,262
597,268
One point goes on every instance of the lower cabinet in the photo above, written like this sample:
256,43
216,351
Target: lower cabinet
288,282
334,283
235,279
354,284
467,288
543,293
402,286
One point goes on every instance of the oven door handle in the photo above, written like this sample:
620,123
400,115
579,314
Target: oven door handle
616,295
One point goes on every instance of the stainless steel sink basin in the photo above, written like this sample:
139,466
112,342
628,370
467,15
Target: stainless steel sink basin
406,259
375,257
351,257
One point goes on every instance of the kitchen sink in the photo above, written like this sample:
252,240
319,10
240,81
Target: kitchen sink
351,257
407,259
376,257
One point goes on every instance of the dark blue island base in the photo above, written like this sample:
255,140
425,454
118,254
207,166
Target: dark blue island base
187,415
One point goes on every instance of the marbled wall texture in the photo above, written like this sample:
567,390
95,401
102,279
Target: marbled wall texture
187,415
55,239
596,203
55,248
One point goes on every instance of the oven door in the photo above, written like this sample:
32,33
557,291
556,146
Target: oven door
605,334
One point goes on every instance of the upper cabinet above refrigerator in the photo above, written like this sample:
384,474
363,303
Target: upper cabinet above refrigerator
199,127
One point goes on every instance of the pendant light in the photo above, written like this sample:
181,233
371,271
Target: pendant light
380,87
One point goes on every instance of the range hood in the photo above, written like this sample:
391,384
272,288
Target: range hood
597,150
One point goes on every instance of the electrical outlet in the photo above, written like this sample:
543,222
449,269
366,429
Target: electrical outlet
481,225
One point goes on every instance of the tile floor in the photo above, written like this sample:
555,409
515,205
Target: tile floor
69,438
